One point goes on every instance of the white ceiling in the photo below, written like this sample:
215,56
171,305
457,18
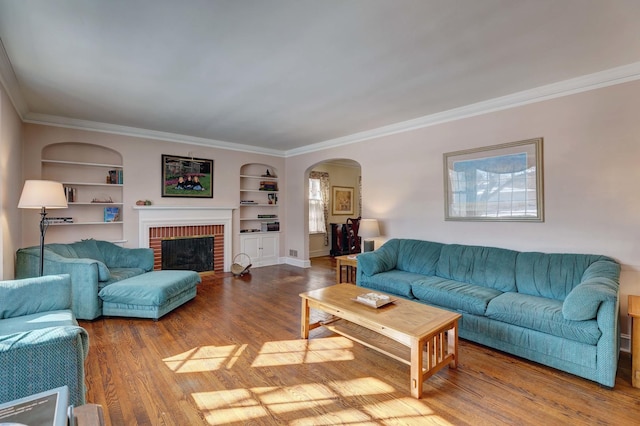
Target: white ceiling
282,75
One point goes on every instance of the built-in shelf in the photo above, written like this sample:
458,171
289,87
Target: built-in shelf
85,180
76,203
260,243
259,177
92,184
86,223
83,163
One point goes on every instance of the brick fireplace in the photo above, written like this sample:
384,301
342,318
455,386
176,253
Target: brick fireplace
160,233
156,223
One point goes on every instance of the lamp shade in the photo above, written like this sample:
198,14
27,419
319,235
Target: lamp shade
369,228
37,194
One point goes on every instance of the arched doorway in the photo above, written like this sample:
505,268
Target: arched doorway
344,176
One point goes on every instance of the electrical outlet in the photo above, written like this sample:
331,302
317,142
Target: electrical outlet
293,253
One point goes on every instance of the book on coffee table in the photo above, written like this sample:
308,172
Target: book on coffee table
375,300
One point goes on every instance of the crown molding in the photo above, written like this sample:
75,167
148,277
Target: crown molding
572,86
10,83
610,77
74,123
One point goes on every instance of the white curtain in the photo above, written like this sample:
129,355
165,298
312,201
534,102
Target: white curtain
318,203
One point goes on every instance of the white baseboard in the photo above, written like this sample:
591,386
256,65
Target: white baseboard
297,262
319,253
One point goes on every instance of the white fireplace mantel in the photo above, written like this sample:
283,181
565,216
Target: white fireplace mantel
158,216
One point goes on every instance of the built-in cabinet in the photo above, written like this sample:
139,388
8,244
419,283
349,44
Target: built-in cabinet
93,178
262,248
259,214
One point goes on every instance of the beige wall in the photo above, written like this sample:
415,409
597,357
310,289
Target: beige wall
11,187
591,153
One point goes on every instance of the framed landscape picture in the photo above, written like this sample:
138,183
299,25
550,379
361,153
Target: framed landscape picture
187,177
495,183
342,198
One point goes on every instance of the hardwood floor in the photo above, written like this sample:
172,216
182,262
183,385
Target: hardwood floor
233,356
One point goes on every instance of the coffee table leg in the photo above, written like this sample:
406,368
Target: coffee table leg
452,343
304,319
416,367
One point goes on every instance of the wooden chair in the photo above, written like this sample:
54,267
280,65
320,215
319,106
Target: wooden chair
352,235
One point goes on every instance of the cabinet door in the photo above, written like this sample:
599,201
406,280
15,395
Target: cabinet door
270,246
250,245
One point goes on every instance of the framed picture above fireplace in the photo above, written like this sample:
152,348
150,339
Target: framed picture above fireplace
187,177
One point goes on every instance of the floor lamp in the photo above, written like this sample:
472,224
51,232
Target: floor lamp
368,229
43,195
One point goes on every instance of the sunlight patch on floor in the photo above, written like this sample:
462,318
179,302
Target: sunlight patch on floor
301,351
205,358
229,406
266,402
409,407
360,387
340,417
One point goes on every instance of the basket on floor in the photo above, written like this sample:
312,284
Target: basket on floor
241,265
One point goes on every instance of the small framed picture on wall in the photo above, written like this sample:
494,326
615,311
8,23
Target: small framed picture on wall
342,200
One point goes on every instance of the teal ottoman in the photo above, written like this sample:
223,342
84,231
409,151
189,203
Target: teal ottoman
150,295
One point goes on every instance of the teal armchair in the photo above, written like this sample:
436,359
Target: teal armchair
41,345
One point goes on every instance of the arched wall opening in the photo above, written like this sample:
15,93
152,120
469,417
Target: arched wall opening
344,178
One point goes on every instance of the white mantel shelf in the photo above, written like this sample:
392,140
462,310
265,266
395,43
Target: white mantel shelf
159,216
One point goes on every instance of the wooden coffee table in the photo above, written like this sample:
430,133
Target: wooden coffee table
421,336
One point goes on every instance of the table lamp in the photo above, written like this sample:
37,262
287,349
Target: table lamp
43,195
368,229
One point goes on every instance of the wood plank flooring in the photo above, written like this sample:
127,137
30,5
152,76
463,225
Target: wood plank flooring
233,356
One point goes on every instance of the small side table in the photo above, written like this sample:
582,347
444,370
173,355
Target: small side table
350,264
633,311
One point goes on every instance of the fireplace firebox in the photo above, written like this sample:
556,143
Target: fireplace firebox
188,253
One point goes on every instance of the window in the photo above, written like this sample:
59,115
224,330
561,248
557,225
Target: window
316,207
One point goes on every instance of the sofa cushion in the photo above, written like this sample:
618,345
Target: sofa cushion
541,314
120,257
394,282
420,257
64,250
119,274
583,301
88,249
484,266
456,295
150,289
551,275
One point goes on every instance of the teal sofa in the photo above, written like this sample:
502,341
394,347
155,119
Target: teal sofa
41,345
560,310
107,279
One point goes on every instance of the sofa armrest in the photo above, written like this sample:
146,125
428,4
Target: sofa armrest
583,302
121,257
603,268
34,295
381,260
85,275
43,359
